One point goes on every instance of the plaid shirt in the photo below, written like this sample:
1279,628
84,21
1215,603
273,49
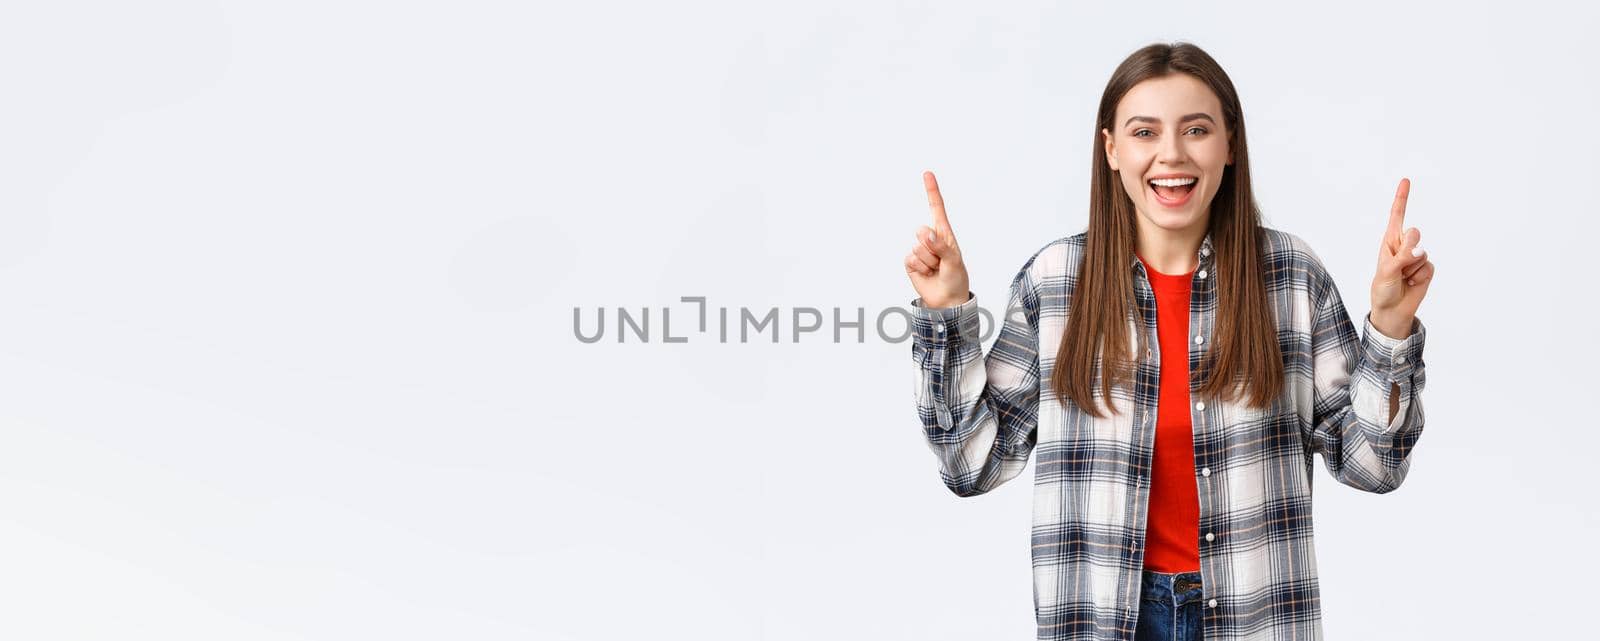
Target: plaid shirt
983,415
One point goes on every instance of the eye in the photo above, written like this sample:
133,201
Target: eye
1136,133
1202,129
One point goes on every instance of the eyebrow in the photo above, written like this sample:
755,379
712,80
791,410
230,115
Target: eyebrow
1201,115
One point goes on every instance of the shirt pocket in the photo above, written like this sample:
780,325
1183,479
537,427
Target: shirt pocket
1243,424
1238,414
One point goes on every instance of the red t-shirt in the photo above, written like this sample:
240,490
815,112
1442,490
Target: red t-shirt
1172,540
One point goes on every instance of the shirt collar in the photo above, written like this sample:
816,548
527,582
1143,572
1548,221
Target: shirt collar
1204,254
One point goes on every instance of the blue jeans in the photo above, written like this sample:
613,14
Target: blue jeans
1170,607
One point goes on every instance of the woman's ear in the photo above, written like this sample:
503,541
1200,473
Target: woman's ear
1111,149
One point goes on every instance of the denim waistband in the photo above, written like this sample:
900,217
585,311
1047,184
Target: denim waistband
1175,588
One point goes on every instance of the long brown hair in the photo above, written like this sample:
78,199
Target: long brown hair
1245,347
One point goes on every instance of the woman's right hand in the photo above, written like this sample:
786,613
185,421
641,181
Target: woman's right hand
934,264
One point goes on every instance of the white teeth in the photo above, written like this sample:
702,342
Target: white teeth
1172,182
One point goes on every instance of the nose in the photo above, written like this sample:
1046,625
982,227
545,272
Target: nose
1171,150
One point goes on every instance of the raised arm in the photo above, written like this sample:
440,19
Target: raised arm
1367,413
979,413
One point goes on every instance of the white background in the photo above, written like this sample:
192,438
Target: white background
287,293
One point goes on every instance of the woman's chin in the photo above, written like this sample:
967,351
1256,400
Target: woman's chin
1175,221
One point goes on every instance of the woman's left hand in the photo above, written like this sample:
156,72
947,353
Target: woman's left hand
1404,272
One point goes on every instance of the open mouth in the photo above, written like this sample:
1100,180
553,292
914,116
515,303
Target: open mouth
1173,192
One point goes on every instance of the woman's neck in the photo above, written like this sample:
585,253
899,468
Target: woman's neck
1170,251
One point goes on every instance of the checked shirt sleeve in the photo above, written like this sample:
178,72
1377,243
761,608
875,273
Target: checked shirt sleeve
979,412
1353,379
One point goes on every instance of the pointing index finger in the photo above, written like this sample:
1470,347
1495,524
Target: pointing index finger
936,203
1397,216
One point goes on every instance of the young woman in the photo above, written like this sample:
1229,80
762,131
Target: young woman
1176,366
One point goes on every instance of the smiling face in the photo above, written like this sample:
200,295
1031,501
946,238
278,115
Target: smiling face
1169,147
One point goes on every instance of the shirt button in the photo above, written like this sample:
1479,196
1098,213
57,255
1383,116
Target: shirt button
1212,603
939,328
1202,273
1210,536
1400,359
1205,251
1200,405
1206,471
1199,339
